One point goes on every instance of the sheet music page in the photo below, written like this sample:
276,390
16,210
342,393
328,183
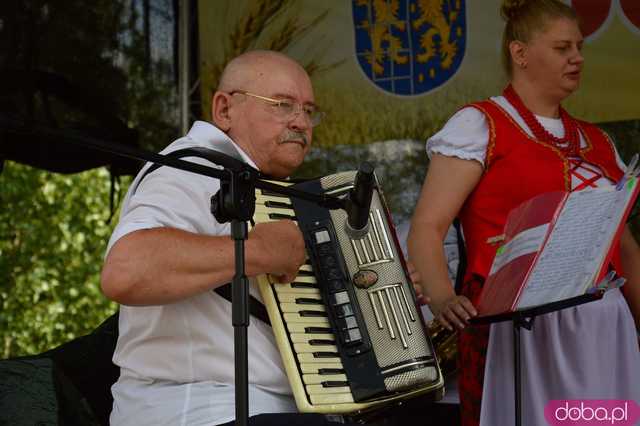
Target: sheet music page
577,244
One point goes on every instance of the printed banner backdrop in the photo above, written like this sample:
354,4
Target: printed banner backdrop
397,69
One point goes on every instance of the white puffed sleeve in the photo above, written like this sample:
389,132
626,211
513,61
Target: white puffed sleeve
465,135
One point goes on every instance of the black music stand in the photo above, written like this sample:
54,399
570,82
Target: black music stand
524,319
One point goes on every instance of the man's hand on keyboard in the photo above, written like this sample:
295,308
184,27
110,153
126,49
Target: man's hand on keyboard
281,248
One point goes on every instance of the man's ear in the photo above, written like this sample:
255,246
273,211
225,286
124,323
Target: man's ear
220,110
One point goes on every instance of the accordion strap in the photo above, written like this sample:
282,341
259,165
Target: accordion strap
462,257
228,158
256,308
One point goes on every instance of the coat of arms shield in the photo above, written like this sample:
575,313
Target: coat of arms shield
409,47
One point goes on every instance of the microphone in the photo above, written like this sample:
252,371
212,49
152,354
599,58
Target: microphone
359,202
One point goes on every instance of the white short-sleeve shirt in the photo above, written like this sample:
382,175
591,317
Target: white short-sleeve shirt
176,360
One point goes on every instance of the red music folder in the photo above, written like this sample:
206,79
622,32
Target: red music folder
555,246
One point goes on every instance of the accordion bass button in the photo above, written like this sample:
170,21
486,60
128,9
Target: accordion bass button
347,322
351,336
339,298
344,310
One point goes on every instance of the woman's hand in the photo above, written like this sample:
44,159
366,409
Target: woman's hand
455,311
448,183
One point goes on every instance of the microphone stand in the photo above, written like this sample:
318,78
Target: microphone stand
234,202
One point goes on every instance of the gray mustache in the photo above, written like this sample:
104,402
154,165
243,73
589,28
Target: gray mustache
293,136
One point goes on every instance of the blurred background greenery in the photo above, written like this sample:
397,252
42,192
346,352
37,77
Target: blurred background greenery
53,233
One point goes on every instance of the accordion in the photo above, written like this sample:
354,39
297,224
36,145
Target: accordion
348,329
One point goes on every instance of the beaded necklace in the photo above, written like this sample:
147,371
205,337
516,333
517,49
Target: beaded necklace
568,144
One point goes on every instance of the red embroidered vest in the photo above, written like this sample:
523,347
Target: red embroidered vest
518,167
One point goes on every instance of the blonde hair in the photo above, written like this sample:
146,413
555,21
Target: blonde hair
526,17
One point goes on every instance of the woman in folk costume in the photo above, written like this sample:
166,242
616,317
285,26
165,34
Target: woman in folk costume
490,157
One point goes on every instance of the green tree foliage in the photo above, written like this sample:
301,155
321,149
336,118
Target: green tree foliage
53,229
53,234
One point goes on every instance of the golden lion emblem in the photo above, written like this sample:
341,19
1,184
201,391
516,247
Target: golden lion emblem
386,16
431,13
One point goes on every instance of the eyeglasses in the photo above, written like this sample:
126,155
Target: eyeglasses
287,110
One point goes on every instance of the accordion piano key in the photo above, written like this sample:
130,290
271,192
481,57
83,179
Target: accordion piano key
318,321
317,379
306,328
319,358
326,390
306,279
313,338
303,299
333,398
306,267
263,217
310,310
307,286
316,368
303,348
